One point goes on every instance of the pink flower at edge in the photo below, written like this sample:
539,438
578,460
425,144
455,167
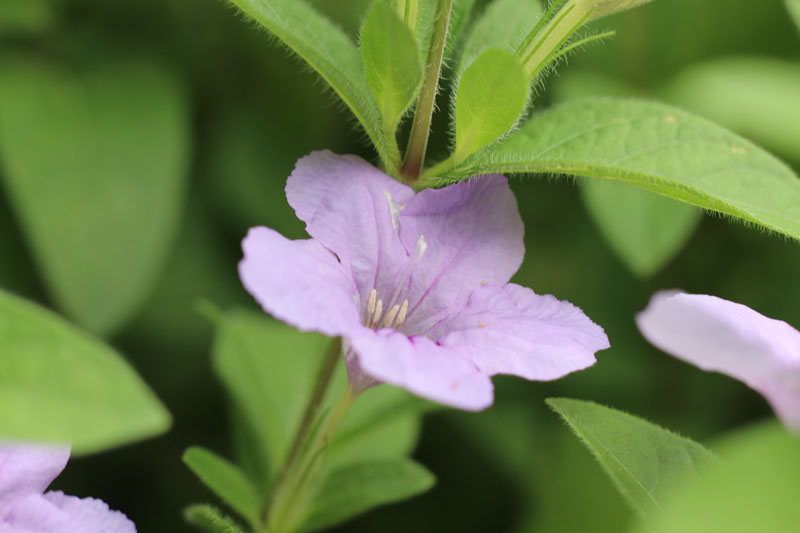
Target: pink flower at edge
722,336
417,284
26,470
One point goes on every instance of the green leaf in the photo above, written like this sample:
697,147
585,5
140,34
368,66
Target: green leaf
329,52
756,97
60,384
392,63
95,163
210,520
601,8
643,460
646,230
754,488
226,481
491,97
269,368
504,24
20,17
794,10
355,489
656,147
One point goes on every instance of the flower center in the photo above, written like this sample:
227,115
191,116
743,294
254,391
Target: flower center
393,314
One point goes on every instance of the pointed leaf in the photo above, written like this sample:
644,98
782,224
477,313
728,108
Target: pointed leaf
643,460
354,489
646,230
328,51
226,480
94,162
491,96
208,519
60,384
391,61
656,147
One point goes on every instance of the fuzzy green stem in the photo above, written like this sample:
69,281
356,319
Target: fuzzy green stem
420,129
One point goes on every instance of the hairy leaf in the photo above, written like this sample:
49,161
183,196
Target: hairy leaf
209,519
60,384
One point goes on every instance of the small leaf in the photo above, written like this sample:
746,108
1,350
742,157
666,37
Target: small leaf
646,230
754,488
491,97
95,163
794,10
391,61
210,520
60,384
226,481
327,50
643,460
360,487
656,147
504,24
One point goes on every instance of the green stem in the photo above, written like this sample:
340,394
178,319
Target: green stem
420,130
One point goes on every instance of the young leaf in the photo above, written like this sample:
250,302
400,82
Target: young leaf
210,520
656,147
360,487
60,384
95,163
755,96
753,488
643,460
646,230
226,481
392,63
504,24
328,51
491,96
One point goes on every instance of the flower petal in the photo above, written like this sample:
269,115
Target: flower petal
474,236
422,367
299,282
723,336
512,330
56,512
350,207
27,469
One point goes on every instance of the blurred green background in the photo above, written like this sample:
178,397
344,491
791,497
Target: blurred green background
241,112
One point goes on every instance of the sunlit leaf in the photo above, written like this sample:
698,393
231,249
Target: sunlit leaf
656,147
794,10
355,489
94,162
643,460
60,384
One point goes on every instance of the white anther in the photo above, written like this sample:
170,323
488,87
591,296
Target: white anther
378,312
371,304
421,247
402,316
390,316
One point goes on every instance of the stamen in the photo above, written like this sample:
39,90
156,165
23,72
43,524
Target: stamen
389,320
421,247
378,312
402,316
371,304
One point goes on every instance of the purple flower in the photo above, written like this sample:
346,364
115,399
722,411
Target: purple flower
25,472
416,284
722,336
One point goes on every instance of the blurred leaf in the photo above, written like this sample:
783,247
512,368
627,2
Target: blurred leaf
60,384
754,488
209,519
19,17
644,460
794,10
504,24
357,488
646,230
226,480
656,147
602,8
756,97
95,163
491,97
269,370
328,51
391,62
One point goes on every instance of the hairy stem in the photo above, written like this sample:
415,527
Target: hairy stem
420,129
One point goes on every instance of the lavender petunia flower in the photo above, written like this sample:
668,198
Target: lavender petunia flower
722,336
416,284
25,472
